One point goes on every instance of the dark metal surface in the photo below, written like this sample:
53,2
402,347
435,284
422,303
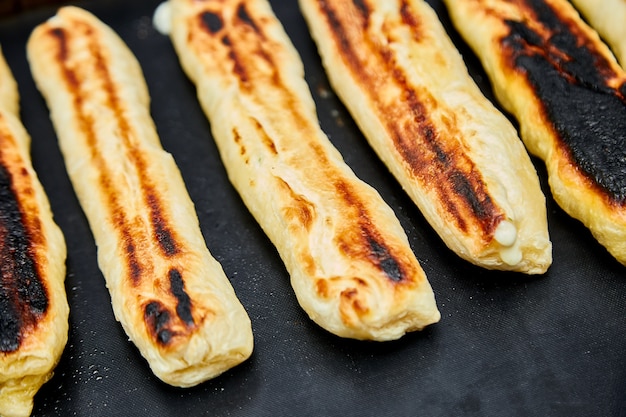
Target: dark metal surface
507,344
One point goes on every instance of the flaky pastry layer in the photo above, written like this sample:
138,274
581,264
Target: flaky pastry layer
349,259
33,305
170,295
562,83
455,154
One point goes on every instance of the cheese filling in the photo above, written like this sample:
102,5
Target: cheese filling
506,235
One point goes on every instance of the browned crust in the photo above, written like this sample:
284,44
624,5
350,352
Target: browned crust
33,305
24,297
237,48
552,35
560,81
244,47
171,317
428,154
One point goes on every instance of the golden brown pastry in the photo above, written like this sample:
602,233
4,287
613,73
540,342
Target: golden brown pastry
455,154
552,72
608,17
170,295
350,262
33,304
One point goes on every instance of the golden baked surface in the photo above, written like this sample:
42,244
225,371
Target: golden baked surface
351,266
568,93
459,158
607,17
168,292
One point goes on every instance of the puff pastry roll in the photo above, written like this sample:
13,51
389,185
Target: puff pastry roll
561,82
349,259
459,159
170,295
608,18
33,304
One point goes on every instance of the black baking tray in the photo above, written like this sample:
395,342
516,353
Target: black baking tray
507,344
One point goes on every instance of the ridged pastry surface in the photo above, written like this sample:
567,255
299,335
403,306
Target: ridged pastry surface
458,158
349,259
562,83
169,293
33,305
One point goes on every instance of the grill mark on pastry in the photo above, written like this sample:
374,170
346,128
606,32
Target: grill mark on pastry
410,19
161,323
86,126
573,81
244,17
267,140
23,294
368,245
364,10
440,166
183,302
242,149
162,232
385,260
366,242
159,319
239,67
161,229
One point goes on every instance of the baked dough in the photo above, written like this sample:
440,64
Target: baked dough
170,295
553,73
455,154
349,259
608,17
33,304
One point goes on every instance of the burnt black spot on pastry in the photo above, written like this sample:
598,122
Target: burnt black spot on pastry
212,21
10,334
571,79
387,263
157,318
23,296
183,302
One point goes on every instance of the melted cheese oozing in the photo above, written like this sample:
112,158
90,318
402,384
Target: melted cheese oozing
506,233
